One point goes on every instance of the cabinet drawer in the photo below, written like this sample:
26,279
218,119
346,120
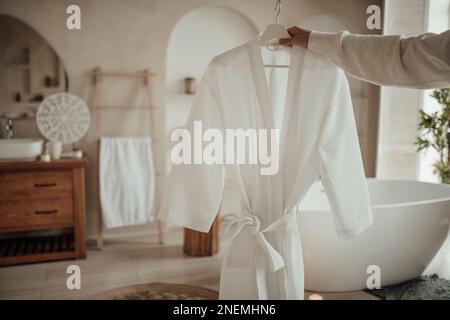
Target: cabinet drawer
36,213
35,184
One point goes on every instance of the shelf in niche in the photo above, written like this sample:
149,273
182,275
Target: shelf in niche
19,66
47,90
25,104
180,99
181,95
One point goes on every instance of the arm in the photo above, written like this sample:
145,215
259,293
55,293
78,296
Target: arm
418,62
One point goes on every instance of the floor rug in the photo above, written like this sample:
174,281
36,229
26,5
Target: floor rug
158,291
423,288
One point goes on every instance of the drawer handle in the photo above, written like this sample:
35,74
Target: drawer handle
45,185
46,212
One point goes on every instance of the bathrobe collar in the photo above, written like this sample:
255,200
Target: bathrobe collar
265,101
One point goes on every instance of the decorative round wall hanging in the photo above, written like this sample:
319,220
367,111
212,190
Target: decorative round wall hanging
63,117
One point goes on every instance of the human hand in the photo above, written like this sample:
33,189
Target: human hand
299,37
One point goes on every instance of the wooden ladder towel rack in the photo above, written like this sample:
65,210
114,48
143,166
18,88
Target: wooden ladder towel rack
97,107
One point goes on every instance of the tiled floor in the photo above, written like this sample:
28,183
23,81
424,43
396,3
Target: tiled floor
123,262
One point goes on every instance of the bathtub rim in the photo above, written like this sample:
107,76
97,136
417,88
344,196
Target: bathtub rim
397,205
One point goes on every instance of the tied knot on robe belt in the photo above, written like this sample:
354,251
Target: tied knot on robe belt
251,221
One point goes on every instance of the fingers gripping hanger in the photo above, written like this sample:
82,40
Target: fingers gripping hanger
273,33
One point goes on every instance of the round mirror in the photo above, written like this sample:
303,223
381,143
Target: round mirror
30,70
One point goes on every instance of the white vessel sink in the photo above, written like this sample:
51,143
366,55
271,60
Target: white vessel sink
20,149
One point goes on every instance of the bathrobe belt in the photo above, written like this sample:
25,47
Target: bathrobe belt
272,257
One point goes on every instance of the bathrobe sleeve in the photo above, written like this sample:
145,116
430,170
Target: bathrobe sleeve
342,170
194,191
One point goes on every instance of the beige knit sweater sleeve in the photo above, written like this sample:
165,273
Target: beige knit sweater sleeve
418,62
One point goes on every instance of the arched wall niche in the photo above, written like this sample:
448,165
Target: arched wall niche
197,37
30,70
200,35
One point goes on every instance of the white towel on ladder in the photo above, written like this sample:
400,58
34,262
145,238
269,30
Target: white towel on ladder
127,181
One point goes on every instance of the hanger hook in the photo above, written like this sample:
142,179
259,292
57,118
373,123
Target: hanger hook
278,10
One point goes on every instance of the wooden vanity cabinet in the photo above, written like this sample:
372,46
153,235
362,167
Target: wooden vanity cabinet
42,196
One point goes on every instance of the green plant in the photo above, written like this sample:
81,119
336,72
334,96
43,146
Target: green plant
435,133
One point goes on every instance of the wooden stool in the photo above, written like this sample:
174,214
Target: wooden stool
200,244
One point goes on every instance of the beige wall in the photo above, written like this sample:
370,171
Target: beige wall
133,35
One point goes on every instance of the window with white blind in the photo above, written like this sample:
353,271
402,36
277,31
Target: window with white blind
399,112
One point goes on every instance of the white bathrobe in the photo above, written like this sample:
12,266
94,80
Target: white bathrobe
318,135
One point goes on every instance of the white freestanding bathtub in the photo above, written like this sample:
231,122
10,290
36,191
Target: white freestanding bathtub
411,222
